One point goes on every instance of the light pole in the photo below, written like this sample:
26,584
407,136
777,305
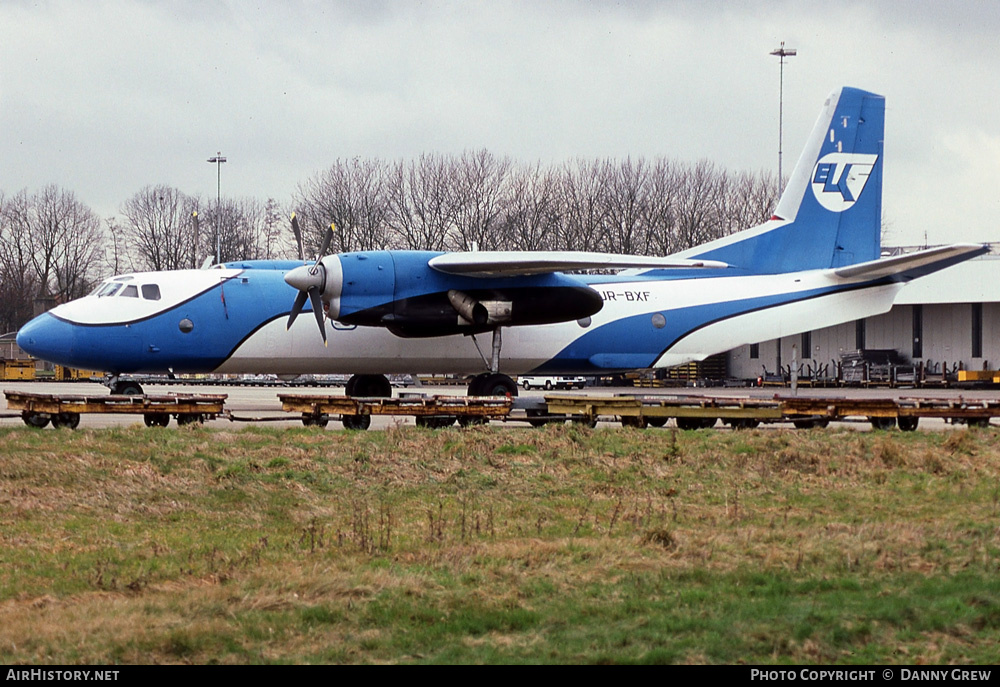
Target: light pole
217,161
781,53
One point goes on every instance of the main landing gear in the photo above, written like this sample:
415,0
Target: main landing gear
124,387
365,386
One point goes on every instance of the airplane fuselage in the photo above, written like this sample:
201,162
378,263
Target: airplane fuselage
234,321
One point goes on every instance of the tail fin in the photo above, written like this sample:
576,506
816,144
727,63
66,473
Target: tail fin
830,214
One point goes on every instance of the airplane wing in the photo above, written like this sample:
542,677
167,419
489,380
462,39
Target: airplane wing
912,265
520,263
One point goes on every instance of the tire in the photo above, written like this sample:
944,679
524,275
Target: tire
36,420
907,423
127,389
310,420
977,422
66,420
635,422
369,386
488,384
435,421
356,422
535,419
156,419
184,419
656,421
525,385
548,385
688,423
883,424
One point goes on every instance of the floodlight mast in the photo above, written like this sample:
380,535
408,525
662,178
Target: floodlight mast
781,53
217,160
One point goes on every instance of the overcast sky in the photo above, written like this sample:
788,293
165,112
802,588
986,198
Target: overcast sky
103,98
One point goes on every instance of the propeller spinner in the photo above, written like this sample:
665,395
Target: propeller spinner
312,281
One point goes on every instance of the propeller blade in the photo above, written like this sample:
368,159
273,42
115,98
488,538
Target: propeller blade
317,306
326,243
300,300
298,236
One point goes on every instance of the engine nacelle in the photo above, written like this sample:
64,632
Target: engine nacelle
399,291
480,313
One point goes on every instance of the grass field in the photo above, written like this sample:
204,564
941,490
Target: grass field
489,545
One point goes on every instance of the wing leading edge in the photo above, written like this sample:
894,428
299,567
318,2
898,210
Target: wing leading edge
520,263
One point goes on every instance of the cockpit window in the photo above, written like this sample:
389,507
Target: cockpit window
109,289
130,291
151,292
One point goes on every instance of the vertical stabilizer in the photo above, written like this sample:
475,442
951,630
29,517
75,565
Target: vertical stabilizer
830,213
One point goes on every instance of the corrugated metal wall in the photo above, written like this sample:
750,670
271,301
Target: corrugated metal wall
947,337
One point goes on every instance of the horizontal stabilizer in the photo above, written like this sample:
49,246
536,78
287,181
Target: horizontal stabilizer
520,263
912,265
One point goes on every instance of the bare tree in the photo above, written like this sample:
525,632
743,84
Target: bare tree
158,229
480,180
351,194
423,202
531,216
583,205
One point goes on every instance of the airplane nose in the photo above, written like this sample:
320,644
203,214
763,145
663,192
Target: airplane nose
47,338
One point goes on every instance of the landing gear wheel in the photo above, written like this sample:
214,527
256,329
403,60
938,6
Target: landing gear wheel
492,384
356,422
36,420
882,423
184,419
907,423
310,420
369,386
127,389
66,420
156,419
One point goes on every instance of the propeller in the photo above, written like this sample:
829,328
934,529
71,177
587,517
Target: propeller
298,237
311,281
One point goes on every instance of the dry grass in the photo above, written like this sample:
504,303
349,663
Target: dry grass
484,545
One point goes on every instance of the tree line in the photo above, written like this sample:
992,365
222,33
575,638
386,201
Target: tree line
53,245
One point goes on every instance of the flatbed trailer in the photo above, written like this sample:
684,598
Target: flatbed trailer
688,411
697,412
37,410
429,411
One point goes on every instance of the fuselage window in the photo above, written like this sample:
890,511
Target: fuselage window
151,292
129,291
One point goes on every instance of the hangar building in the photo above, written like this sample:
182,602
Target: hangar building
949,319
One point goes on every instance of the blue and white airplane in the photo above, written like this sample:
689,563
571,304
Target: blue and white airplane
814,264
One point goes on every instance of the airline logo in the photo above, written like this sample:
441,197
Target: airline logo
839,178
